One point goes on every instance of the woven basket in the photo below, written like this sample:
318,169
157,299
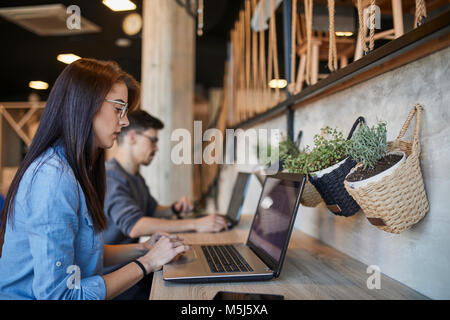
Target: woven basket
397,201
331,185
310,196
331,188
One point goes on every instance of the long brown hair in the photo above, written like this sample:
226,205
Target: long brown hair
77,95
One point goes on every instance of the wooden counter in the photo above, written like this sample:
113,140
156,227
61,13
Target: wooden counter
312,270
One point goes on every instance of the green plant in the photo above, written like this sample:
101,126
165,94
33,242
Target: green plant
266,153
287,148
330,147
368,145
297,163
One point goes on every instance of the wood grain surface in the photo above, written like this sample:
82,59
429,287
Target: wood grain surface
312,270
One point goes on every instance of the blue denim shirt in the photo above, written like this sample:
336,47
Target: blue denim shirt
51,250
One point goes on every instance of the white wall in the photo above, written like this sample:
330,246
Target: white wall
420,256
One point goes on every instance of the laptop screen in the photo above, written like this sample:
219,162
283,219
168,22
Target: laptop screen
270,228
237,198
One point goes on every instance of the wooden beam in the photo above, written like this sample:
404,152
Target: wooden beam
343,61
432,36
421,51
27,117
387,34
23,105
15,126
397,17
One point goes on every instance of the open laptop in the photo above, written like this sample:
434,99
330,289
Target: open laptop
236,203
263,255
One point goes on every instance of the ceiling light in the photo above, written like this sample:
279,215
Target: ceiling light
132,24
67,58
277,83
343,33
38,85
123,42
119,5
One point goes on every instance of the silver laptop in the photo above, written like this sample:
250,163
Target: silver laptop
236,203
263,255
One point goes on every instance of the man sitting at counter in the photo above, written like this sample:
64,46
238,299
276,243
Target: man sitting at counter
130,209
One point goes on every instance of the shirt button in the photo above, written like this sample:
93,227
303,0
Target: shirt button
58,264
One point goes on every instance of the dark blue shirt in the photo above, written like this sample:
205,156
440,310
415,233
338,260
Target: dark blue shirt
127,200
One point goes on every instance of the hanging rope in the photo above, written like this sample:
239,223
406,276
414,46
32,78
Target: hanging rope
372,25
362,27
254,65
421,13
200,11
293,45
247,33
309,18
273,40
262,56
332,51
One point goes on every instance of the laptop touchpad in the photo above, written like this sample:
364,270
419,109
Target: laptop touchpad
185,258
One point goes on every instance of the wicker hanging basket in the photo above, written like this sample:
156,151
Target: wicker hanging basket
397,201
331,185
310,196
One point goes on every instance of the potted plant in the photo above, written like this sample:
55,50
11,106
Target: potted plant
275,160
287,148
298,164
397,200
368,148
330,151
328,164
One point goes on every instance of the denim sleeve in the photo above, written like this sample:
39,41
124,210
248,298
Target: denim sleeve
119,205
53,225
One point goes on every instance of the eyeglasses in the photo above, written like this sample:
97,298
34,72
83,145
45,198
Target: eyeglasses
123,110
154,140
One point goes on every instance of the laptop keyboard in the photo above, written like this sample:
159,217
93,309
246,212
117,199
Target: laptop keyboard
225,258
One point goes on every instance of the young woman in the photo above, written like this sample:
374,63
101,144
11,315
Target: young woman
51,244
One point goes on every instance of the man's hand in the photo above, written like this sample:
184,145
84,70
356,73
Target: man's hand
184,205
211,223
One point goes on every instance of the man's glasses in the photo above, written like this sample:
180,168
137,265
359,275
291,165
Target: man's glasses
154,140
123,110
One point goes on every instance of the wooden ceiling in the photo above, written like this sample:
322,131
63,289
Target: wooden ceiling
409,6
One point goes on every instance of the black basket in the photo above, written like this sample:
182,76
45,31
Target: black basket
331,185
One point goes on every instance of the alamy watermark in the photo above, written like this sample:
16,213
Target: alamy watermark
374,280
73,21
74,280
251,146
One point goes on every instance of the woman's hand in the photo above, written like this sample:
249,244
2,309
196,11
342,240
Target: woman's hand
154,238
163,251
